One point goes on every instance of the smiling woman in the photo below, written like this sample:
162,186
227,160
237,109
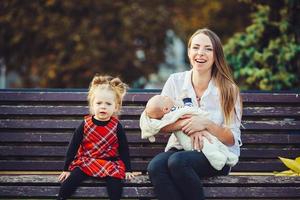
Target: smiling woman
177,174
200,53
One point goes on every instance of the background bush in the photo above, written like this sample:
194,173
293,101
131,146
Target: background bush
55,43
267,55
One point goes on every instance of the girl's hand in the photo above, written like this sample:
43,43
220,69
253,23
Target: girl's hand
130,175
63,176
197,139
194,124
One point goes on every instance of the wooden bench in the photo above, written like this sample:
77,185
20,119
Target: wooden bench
36,126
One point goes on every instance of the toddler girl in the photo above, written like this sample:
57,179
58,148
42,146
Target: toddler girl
99,146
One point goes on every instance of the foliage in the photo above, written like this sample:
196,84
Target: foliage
266,56
53,43
64,43
216,15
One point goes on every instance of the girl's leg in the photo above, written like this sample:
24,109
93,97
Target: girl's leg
161,179
71,183
187,168
114,188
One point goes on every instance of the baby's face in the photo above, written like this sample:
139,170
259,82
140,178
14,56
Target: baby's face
167,103
159,105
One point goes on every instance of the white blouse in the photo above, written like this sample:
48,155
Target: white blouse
180,83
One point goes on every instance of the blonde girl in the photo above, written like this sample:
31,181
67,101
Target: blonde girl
99,146
178,174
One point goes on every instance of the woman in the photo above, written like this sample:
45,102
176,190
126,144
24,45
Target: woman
177,174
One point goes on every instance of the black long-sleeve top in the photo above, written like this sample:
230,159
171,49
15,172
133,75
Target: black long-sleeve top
77,139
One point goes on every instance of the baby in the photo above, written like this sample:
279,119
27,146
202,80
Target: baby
158,114
159,105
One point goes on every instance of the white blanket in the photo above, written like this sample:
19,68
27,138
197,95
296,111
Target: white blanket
216,152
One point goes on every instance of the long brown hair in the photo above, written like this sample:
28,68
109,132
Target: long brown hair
222,75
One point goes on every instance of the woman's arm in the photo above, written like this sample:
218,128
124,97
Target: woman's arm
196,124
229,134
224,134
176,126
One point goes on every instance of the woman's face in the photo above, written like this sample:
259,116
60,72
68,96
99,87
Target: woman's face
201,53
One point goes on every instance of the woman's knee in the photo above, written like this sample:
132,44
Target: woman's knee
154,166
158,164
177,162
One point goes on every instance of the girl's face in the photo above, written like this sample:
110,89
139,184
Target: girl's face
201,53
104,104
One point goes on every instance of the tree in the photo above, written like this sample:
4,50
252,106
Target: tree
54,43
64,43
266,56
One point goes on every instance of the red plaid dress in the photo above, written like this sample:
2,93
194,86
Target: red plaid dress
99,144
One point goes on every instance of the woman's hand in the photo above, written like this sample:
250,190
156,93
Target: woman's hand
130,175
63,176
194,124
197,139
176,126
186,116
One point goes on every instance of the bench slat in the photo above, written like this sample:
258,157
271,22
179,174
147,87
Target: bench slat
93,192
72,96
265,186
270,97
144,179
60,151
54,110
67,110
135,137
132,124
137,165
80,95
270,111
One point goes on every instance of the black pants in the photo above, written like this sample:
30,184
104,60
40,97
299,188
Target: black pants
177,175
68,187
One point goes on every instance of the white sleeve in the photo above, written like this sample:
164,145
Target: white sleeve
236,123
169,88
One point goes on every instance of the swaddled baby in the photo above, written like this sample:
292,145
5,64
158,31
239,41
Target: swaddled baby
158,106
161,111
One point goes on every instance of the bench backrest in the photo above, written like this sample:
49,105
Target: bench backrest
36,126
